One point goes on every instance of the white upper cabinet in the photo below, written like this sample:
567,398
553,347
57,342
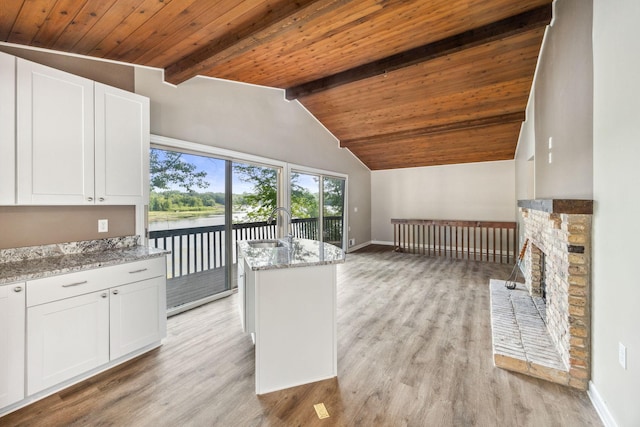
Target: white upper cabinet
122,146
7,129
77,141
55,136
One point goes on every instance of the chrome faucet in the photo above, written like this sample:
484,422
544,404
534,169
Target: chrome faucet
272,216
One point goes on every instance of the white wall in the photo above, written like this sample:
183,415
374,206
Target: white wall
616,283
561,107
474,191
259,121
525,154
525,164
109,73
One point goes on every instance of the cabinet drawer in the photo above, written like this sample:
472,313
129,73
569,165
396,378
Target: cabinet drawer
130,272
54,288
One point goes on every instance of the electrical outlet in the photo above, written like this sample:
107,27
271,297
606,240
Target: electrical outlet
622,355
352,242
103,225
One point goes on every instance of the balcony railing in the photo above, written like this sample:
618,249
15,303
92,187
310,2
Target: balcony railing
198,249
492,241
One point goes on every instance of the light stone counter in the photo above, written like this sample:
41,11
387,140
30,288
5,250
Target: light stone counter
303,253
21,264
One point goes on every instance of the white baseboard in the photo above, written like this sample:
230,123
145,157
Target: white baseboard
600,406
370,242
356,247
381,242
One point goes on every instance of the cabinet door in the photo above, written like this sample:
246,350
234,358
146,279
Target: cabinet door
122,146
12,308
55,136
7,129
138,315
66,338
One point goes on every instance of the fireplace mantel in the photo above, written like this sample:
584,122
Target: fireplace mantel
559,206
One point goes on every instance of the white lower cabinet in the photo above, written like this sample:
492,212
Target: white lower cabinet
12,304
138,316
66,338
82,321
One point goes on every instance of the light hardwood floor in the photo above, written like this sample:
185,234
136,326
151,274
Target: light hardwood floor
414,349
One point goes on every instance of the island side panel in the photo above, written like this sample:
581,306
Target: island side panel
295,326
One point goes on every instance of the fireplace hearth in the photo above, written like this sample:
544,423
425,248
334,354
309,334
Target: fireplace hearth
553,305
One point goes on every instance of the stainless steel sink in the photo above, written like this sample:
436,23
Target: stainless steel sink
266,243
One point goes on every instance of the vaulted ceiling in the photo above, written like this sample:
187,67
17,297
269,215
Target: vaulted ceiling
399,83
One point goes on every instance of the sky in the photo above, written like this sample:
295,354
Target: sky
215,176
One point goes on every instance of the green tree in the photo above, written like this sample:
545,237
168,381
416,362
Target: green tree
304,204
264,197
333,196
168,167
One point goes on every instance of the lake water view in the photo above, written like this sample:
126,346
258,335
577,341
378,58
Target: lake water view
203,221
200,221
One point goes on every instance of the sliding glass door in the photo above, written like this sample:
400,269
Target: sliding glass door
317,207
203,201
255,196
333,198
188,205
305,200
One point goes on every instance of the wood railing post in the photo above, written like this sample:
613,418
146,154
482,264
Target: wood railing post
485,240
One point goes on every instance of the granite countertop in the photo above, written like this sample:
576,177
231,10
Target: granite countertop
43,261
303,253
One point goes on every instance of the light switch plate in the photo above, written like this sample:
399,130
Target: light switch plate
622,355
103,225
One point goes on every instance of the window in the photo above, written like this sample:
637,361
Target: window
317,207
204,199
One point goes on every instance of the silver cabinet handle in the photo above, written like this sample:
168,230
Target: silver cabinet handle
101,199
89,199
115,292
17,289
74,284
104,295
138,271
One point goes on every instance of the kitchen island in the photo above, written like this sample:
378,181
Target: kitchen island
287,299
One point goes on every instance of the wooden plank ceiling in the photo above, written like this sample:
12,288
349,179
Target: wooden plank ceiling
400,83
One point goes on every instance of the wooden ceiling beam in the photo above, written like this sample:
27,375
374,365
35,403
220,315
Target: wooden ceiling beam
434,130
284,13
516,24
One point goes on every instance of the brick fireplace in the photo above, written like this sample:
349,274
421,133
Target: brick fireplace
548,337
